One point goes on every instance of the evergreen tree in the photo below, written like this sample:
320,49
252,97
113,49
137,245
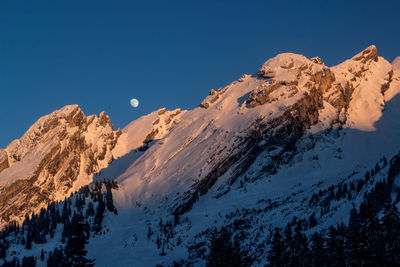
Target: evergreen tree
56,259
353,249
13,263
75,251
391,235
3,250
28,262
312,221
276,254
224,252
109,199
90,210
289,249
66,230
371,241
302,257
318,253
335,247
28,244
99,214
65,211
42,255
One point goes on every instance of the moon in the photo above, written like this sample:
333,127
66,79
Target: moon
134,102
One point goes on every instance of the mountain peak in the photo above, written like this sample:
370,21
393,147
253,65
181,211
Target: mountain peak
56,156
367,55
282,63
69,108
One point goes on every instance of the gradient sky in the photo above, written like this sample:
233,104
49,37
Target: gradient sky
100,54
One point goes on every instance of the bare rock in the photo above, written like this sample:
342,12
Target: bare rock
3,160
317,60
369,54
69,154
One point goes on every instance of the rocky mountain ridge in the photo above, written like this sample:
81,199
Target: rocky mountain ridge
290,97
54,158
61,152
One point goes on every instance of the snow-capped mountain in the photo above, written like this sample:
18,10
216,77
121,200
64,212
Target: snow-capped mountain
261,116
60,153
266,151
56,156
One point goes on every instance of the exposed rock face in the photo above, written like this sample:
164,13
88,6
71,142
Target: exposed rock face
212,97
368,54
283,131
162,124
3,160
59,154
308,87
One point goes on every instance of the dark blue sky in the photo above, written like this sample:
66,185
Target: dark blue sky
99,54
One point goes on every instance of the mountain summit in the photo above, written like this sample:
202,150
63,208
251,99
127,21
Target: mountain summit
297,145
55,157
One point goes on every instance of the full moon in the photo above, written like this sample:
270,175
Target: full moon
134,102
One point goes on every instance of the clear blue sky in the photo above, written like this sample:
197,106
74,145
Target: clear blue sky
99,54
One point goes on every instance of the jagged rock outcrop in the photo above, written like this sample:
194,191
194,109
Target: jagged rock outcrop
212,97
54,158
3,160
162,124
286,75
366,55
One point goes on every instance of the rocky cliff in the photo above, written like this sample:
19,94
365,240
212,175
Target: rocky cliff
54,158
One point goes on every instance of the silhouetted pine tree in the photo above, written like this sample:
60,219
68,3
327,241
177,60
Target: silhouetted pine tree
353,249
391,235
28,262
109,199
302,257
13,263
28,244
99,214
224,252
276,253
371,240
42,255
312,221
75,251
335,248
65,211
90,210
318,253
289,247
3,250
66,230
56,259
